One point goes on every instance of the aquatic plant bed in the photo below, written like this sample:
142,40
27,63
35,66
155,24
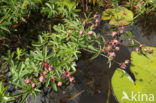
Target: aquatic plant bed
45,43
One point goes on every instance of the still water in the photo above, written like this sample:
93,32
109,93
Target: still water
93,77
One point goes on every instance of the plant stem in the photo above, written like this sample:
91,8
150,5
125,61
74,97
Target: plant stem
101,55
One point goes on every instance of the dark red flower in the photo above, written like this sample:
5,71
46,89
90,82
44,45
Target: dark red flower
46,64
52,79
115,42
67,74
104,49
107,42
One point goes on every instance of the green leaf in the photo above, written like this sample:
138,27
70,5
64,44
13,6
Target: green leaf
97,54
144,70
91,47
4,28
25,97
41,42
107,14
47,82
45,51
20,93
54,86
128,34
118,17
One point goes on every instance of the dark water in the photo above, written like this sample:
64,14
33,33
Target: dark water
93,77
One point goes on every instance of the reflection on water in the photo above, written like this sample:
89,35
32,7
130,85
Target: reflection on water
148,23
93,77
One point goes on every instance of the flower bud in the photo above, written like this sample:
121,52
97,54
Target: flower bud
111,55
137,50
95,16
90,32
50,68
104,49
41,63
45,73
81,32
150,51
95,25
71,79
97,20
127,61
34,85
114,34
59,84
117,48
84,23
137,6
123,26
41,79
141,45
27,81
109,47
68,34
121,31
143,2
145,50
123,66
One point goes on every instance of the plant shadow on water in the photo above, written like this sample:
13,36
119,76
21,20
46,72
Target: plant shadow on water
93,77
27,32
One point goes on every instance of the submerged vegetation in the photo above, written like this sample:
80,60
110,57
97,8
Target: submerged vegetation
51,59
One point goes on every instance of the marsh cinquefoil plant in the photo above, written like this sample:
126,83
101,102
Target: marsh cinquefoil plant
53,60
13,12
